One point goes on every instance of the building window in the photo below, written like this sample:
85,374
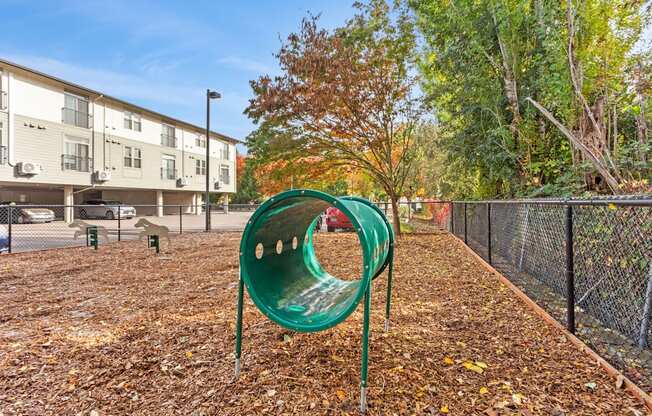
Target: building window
225,177
75,110
200,167
168,169
200,141
168,137
133,157
75,155
132,121
224,151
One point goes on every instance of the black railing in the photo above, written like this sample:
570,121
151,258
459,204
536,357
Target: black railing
77,163
168,140
167,173
76,118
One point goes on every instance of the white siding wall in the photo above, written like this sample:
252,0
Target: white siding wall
33,99
40,101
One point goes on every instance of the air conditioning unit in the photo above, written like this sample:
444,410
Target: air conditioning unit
182,182
217,186
29,168
102,175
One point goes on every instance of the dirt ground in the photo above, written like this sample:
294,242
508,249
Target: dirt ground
120,331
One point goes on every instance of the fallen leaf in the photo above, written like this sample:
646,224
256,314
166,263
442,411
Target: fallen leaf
517,398
620,381
341,394
448,361
443,409
484,390
189,354
472,367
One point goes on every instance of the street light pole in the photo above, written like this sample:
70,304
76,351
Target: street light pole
209,95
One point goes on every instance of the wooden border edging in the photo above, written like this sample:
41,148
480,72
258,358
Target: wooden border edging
578,343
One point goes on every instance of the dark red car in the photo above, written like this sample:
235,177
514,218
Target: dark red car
336,219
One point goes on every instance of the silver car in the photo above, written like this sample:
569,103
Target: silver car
107,209
22,213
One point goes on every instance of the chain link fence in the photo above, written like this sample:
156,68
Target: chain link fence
40,227
589,261
420,216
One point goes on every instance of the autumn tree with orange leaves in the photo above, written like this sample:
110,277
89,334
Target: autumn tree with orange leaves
347,96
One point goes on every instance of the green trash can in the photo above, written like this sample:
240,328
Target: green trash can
284,278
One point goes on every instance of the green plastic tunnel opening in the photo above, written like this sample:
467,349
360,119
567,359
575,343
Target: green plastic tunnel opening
280,268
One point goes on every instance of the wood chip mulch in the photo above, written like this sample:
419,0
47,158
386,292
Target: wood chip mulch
120,331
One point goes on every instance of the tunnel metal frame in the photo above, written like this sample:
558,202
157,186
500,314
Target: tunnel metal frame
388,264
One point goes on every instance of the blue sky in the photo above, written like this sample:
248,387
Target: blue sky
161,55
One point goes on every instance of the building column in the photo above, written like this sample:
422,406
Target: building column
198,203
68,201
226,203
159,203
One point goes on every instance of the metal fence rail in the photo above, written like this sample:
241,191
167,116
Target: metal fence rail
596,255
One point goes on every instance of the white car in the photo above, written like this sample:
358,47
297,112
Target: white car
107,209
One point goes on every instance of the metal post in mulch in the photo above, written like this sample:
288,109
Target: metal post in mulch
267,250
570,271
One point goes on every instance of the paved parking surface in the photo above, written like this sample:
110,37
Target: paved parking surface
29,237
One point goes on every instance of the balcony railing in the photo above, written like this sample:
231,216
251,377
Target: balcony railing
169,141
76,118
3,100
168,173
77,163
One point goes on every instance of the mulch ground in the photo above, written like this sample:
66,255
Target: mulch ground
120,331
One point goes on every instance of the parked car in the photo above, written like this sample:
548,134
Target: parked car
24,213
336,219
107,209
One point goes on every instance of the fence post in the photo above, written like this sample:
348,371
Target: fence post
119,222
489,232
10,212
465,237
570,271
180,219
209,225
451,221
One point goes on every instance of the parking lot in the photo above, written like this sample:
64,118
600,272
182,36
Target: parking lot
29,237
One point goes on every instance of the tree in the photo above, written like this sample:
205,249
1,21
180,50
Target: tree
247,187
347,96
485,64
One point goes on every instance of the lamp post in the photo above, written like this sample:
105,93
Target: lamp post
209,95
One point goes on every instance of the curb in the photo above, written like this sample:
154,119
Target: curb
628,384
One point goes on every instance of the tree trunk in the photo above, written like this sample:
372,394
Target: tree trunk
396,217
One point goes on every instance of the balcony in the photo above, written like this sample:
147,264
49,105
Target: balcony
76,163
76,118
168,141
170,174
3,100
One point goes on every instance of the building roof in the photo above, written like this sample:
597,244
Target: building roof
117,100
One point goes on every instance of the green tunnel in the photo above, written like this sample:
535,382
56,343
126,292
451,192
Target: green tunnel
282,273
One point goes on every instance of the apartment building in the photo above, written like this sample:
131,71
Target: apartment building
62,143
